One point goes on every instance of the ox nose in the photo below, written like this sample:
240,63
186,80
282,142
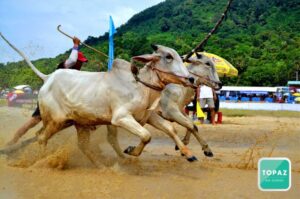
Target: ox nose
191,80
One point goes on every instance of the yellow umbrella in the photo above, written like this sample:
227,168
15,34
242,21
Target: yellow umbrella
297,99
18,92
224,68
296,94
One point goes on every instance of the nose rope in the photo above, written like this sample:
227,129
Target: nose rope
203,77
169,73
135,71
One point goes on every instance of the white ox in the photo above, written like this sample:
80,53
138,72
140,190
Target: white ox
173,100
175,97
97,98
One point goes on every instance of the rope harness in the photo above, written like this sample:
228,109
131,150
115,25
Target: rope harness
135,71
135,67
201,77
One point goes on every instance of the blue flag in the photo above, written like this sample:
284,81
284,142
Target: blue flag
112,31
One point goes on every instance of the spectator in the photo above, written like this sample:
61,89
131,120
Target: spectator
216,109
207,96
191,107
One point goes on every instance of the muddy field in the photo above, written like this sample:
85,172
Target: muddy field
160,172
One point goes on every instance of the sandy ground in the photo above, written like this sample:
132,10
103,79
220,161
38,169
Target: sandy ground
160,172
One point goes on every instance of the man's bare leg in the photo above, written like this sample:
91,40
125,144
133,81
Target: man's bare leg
33,121
212,116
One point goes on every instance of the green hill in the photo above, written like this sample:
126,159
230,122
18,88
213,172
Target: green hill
261,38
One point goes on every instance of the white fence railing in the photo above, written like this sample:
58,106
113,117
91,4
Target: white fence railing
260,106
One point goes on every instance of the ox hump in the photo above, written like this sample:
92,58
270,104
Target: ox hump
121,64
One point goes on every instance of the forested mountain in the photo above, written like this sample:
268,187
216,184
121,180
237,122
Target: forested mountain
261,38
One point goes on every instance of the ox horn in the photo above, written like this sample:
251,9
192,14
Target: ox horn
199,56
204,41
154,47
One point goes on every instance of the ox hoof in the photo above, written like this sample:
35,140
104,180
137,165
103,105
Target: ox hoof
208,153
192,159
129,150
176,148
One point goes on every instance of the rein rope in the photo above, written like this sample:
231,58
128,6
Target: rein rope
135,71
169,73
203,77
135,65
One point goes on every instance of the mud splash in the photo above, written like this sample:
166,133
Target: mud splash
62,171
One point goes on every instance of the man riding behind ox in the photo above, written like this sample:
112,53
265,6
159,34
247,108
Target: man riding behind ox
75,61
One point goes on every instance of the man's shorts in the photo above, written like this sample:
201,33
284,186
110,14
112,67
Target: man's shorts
209,101
36,113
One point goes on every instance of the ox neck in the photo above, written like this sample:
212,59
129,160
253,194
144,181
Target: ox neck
150,79
190,94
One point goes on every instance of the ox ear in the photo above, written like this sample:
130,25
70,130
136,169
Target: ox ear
192,60
146,58
183,59
187,61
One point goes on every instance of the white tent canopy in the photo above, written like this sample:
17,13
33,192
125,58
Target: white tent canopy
249,89
21,87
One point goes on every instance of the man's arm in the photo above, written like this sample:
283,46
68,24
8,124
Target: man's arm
71,61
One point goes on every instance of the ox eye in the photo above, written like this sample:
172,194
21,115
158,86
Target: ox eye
169,57
207,63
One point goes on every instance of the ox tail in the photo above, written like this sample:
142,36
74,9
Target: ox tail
35,70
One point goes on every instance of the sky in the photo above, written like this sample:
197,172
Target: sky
31,24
